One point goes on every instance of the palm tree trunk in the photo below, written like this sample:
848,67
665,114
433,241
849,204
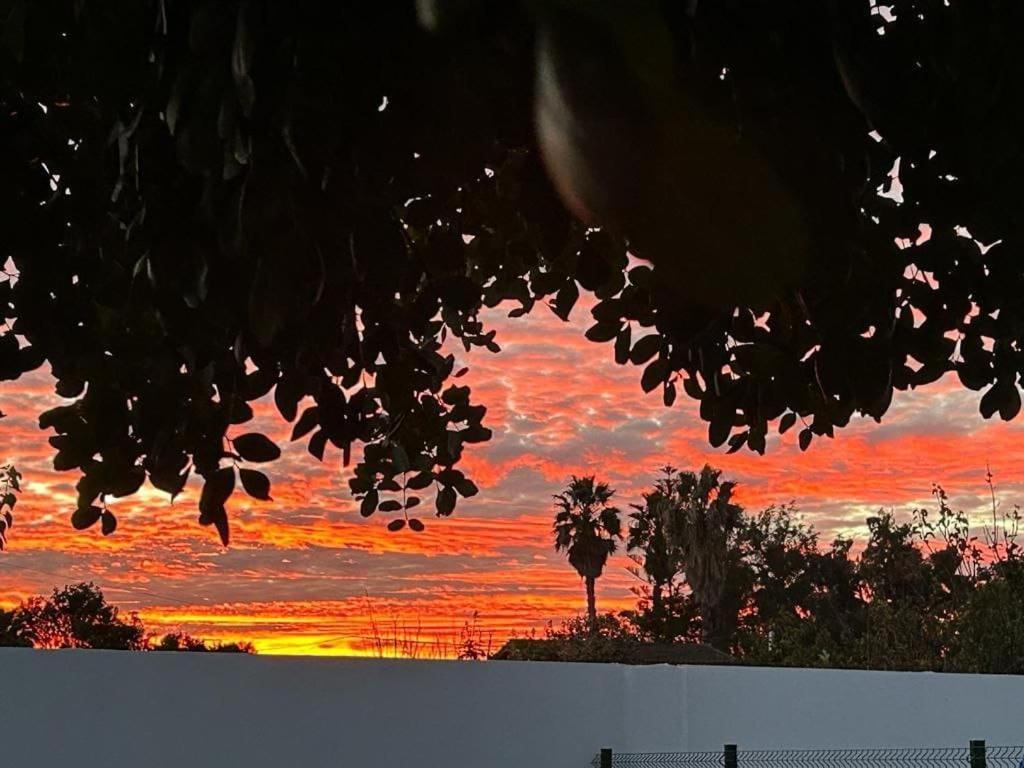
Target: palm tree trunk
591,603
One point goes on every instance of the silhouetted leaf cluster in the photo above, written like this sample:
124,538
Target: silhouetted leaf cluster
206,203
10,486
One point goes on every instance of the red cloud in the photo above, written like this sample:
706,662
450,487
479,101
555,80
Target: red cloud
306,574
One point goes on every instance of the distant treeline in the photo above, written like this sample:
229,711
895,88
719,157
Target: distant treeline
929,592
78,616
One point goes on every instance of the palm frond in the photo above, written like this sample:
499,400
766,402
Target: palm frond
585,527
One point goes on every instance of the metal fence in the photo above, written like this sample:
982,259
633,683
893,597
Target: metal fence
977,755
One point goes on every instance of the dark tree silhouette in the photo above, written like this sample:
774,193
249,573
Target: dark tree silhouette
208,201
990,631
9,635
79,616
182,641
924,593
700,520
586,528
658,559
76,616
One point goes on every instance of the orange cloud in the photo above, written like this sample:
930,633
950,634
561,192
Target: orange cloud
306,574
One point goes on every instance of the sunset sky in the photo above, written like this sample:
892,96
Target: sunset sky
305,574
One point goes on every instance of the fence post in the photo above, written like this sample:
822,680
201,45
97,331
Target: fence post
978,753
606,757
731,759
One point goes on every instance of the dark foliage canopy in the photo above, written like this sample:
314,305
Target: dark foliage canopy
922,593
79,616
203,202
76,616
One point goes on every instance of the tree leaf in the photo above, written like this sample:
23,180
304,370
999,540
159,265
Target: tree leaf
445,502
396,525
255,483
220,522
416,524
669,395
252,446
391,505
1010,406
718,431
217,517
990,401
217,490
369,503
108,522
786,422
317,445
653,375
692,387
86,517
286,397
241,412
466,487
645,349
420,481
756,441
603,331
307,422
622,345
737,441
805,438
565,300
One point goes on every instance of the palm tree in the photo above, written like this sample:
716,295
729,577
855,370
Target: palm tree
700,521
657,557
586,528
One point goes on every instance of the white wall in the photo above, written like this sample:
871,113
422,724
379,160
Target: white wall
762,708
97,709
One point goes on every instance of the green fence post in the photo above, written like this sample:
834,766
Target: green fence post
606,757
731,757
978,753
